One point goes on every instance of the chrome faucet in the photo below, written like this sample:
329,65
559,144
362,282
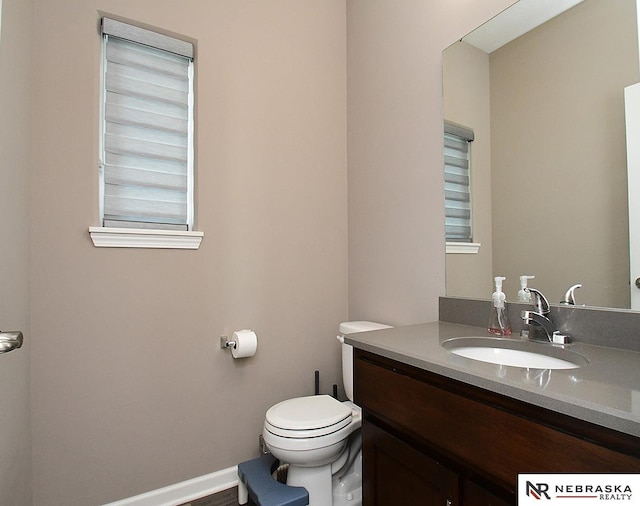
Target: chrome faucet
540,302
531,317
570,296
541,318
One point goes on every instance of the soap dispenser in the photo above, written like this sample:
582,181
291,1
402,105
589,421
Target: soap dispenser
523,293
499,324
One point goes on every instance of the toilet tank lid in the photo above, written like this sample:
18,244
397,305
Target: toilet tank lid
361,326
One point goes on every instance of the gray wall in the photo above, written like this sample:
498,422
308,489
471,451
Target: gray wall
471,275
563,152
396,198
15,440
129,391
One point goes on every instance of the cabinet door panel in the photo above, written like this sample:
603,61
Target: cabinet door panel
396,473
475,495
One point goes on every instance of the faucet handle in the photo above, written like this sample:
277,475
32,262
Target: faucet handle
569,297
558,338
540,301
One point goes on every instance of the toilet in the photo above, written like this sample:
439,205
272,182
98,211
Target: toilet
318,437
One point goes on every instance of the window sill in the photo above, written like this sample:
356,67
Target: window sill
107,237
467,248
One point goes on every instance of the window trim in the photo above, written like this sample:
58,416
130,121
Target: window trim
465,248
110,237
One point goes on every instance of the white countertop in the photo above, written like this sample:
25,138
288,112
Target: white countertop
606,391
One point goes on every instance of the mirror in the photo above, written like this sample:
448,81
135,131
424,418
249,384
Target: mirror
548,163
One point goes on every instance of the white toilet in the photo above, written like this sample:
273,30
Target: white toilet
318,437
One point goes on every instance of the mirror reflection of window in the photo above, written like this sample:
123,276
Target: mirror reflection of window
457,183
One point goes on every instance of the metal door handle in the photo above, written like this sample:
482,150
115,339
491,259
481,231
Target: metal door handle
9,341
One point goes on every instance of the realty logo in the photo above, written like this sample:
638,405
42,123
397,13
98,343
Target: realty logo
537,490
578,489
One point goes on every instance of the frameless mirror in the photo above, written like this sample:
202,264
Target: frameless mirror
548,159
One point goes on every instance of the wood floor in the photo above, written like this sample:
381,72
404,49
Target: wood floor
224,498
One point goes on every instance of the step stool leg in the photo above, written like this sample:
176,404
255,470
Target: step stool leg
243,493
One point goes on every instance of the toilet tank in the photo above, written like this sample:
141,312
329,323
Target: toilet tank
347,349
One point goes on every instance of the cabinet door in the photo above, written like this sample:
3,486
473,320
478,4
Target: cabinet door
475,495
395,473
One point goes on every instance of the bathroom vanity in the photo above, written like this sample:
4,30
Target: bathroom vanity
443,429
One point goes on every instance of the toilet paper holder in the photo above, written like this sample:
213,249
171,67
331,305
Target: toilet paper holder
225,343
243,343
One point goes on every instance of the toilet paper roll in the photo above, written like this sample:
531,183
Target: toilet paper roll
246,343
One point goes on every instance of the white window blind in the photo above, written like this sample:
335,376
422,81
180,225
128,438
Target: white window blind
457,184
147,141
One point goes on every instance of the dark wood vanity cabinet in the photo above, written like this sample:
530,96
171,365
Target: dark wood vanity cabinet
431,440
399,473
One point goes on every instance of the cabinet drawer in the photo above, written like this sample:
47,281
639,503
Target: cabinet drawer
485,437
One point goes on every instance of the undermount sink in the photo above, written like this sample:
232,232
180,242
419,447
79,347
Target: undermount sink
515,352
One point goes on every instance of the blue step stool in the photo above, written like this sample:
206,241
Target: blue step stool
256,481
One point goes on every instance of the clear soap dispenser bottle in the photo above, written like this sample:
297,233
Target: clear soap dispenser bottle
523,293
499,324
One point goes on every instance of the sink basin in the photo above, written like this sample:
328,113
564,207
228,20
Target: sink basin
514,352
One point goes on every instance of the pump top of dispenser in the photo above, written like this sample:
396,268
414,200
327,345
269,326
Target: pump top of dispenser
498,296
523,294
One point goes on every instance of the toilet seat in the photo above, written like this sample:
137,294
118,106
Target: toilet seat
308,417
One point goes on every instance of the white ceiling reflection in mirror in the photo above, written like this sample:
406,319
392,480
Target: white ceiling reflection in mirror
517,20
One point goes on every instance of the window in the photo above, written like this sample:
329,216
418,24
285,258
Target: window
458,216
146,170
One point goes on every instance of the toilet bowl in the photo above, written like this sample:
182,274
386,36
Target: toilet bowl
311,434
319,437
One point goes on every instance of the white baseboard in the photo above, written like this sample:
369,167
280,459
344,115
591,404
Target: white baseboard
185,491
